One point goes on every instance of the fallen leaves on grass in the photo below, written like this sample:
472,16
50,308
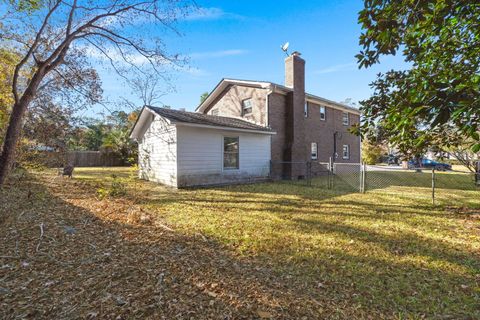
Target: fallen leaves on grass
66,254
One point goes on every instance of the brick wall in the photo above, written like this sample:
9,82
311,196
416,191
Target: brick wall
277,118
229,103
295,78
321,132
316,130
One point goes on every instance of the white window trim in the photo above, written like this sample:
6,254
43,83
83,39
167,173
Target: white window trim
223,154
346,123
324,113
316,151
251,106
348,152
305,109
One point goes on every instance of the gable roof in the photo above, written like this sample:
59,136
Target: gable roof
274,87
199,120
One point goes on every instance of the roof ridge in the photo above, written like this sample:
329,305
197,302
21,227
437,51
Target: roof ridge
281,87
207,119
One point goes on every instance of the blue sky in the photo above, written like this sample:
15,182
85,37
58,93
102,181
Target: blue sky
242,39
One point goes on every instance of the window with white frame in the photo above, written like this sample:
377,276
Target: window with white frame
346,151
247,106
323,115
314,151
345,119
305,109
230,153
214,112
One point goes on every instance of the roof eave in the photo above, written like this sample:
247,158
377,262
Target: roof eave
222,85
187,124
277,88
133,134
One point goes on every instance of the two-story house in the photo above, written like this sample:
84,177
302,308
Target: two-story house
243,130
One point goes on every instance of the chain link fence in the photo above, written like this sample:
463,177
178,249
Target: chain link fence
304,173
426,184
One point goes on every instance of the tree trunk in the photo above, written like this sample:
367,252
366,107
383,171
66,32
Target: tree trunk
14,129
11,139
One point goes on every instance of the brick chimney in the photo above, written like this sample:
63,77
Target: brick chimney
296,149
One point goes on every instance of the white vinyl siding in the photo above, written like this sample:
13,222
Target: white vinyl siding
157,153
201,155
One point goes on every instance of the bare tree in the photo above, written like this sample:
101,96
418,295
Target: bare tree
149,88
125,32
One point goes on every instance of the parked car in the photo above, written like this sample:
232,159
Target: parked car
430,164
393,160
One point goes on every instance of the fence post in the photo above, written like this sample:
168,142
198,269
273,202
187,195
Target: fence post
477,174
364,175
361,178
433,187
331,173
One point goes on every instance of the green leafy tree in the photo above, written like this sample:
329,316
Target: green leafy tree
203,97
441,42
8,60
371,152
25,5
110,135
117,139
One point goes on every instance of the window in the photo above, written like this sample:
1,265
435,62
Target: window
305,109
345,119
214,112
247,105
346,151
322,113
314,151
230,153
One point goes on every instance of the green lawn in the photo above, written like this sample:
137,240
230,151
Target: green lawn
322,253
388,248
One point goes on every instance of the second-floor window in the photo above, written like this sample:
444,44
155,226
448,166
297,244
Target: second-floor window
314,151
323,115
346,152
345,119
247,106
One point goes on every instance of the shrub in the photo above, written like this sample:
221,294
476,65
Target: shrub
371,153
117,188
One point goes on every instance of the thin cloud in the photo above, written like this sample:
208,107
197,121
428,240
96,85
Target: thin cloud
211,14
218,54
337,68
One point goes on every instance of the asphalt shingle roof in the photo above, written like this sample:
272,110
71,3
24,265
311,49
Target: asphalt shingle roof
206,119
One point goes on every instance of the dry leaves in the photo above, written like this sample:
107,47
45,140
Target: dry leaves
67,255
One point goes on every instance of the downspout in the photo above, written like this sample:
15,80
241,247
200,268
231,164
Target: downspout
267,106
334,156
267,111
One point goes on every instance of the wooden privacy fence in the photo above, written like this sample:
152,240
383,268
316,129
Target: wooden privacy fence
93,159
